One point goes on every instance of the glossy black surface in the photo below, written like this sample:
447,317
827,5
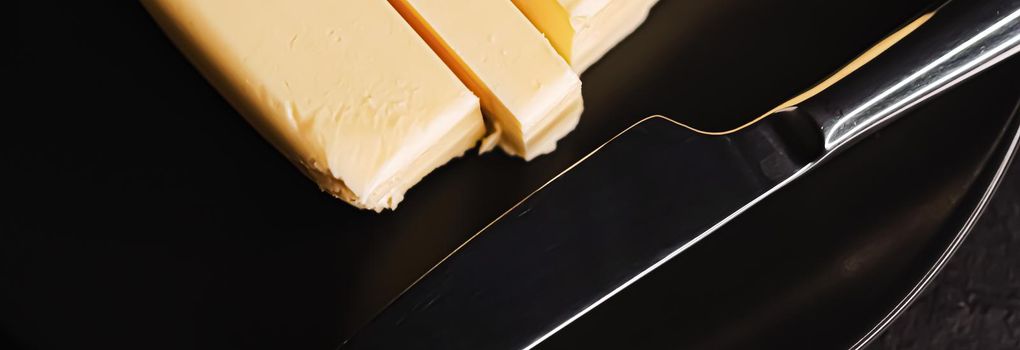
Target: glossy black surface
147,213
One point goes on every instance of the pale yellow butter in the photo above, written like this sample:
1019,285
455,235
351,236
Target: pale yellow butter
345,88
582,31
527,90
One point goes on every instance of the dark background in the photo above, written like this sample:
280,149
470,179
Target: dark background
975,302
147,214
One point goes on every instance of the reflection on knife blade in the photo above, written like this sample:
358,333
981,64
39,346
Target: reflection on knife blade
656,189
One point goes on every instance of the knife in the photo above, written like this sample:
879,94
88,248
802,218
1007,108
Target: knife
554,256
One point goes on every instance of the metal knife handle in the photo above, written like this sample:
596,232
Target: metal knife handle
961,39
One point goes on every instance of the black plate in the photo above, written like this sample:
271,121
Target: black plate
826,262
148,214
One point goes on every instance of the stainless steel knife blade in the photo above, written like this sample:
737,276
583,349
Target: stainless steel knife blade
553,257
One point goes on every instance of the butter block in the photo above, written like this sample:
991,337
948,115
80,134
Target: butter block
344,88
582,31
528,92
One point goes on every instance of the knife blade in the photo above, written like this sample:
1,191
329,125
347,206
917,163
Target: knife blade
554,256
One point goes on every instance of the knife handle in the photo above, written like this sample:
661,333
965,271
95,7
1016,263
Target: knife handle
962,38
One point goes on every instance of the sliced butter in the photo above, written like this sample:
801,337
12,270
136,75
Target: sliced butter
345,88
582,31
527,90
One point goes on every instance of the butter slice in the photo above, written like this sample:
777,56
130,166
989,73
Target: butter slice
582,31
527,90
345,88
